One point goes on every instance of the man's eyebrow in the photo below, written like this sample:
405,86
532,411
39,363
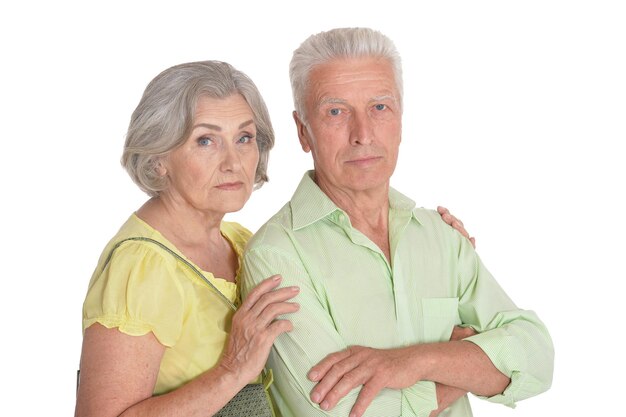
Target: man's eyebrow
384,97
331,100
218,128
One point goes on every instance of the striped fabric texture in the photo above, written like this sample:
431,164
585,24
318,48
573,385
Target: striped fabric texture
351,295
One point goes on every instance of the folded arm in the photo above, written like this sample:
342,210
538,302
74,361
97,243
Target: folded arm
458,364
313,337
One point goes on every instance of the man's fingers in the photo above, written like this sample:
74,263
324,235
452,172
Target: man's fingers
319,371
350,380
331,377
365,398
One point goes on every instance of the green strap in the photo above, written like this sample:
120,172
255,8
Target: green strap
178,257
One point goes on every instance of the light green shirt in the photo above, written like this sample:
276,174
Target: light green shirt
350,295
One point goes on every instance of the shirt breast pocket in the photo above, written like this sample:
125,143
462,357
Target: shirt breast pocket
440,315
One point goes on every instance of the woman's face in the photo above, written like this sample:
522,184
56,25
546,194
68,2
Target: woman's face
214,169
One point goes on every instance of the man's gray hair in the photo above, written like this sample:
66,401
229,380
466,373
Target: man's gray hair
339,43
163,119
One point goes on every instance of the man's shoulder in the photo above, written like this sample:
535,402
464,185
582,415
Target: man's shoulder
427,217
432,225
275,231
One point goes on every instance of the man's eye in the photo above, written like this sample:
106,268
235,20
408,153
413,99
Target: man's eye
380,106
335,112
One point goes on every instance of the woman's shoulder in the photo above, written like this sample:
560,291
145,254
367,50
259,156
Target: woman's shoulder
236,233
134,245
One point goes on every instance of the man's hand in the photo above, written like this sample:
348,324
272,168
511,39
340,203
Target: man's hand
460,333
446,395
447,217
375,369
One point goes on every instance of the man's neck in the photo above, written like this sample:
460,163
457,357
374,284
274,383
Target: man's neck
368,211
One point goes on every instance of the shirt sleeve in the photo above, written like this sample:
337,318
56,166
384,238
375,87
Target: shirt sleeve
137,292
314,337
515,340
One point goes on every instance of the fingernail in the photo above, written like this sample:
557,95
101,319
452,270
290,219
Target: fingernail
315,397
277,277
324,405
295,289
313,376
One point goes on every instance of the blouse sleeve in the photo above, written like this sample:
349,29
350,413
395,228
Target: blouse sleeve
137,292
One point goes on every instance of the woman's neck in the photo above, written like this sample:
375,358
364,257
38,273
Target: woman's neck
194,233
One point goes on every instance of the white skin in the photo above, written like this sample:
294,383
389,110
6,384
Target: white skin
211,174
353,129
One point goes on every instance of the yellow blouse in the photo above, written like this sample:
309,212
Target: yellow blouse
143,288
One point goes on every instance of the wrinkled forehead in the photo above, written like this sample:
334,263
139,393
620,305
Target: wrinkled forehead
352,78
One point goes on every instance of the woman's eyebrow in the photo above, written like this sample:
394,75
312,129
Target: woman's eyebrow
208,126
218,128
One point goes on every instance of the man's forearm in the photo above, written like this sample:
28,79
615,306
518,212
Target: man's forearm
446,395
459,364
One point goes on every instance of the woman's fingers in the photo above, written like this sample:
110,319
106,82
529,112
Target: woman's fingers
263,287
274,310
457,224
278,327
272,297
264,305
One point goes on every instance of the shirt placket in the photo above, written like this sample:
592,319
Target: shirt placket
398,221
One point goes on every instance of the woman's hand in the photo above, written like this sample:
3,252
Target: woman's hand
255,326
447,217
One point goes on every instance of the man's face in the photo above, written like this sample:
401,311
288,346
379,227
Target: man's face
353,124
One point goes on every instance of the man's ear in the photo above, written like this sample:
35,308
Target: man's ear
303,133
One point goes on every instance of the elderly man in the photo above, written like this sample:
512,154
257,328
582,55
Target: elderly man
398,316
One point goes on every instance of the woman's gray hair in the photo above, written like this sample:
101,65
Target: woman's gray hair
339,43
163,119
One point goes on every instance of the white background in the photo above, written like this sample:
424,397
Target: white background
514,114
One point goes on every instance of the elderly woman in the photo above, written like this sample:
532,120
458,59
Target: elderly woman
158,339
161,336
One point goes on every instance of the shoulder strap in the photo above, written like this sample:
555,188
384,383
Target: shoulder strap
178,257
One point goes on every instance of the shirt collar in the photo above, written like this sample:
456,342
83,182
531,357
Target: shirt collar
309,203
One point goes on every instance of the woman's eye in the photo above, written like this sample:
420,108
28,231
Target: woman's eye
334,112
245,139
380,106
205,141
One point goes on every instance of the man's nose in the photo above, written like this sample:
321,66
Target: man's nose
360,130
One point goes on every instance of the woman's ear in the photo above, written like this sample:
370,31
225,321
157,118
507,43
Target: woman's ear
160,168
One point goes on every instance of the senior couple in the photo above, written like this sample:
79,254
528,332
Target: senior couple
360,303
